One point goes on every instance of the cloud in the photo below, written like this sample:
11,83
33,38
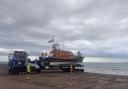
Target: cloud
97,28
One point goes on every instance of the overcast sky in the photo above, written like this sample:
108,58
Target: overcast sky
94,27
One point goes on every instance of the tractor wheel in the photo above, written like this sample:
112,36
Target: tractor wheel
14,72
66,69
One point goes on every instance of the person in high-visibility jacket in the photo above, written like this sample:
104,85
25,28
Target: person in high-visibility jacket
28,68
28,71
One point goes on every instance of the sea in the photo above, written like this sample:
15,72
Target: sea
103,65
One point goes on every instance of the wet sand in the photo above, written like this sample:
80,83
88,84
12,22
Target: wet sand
62,80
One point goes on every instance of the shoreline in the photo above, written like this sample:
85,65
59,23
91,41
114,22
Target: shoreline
62,80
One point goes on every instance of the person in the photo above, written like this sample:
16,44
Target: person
29,60
28,71
71,68
79,54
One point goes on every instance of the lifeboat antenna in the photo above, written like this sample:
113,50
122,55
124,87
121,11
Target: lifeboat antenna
63,45
51,41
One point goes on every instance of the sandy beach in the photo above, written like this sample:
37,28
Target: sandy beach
62,80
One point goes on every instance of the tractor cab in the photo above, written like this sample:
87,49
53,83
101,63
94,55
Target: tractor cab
18,61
